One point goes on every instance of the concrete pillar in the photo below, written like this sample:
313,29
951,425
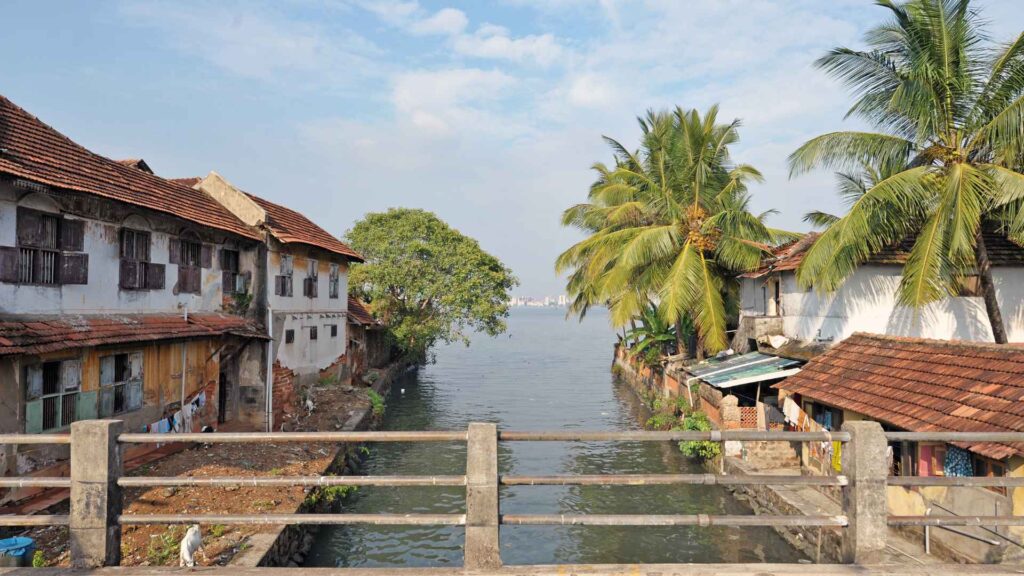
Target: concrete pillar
95,496
864,499
483,549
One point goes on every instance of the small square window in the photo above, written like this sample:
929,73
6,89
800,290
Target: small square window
289,336
312,332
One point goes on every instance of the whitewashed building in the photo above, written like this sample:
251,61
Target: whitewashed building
305,270
121,295
773,303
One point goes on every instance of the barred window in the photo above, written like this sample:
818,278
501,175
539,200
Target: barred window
51,395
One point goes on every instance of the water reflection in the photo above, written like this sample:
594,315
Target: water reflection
550,374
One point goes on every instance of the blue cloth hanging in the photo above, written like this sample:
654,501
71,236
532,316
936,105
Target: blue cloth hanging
958,462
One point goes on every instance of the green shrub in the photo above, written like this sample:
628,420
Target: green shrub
329,494
38,560
376,402
682,405
218,530
662,421
703,449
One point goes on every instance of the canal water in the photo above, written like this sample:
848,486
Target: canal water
546,373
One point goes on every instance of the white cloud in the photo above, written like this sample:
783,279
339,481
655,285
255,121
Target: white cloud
591,90
391,11
490,41
439,101
255,43
447,21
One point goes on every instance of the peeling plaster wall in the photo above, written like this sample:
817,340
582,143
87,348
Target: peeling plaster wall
867,303
103,221
300,313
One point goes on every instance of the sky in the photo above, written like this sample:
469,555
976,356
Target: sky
489,114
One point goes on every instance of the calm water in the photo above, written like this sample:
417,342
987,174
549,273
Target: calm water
545,374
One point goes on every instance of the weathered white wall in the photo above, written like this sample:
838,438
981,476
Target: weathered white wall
102,243
299,312
867,303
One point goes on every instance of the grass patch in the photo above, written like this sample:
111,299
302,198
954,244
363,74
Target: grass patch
164,547
376,402
218,530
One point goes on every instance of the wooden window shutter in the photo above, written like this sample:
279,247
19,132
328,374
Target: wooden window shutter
227,281
30,227
221,258
195,277
34,417
183,285
174,250
74,268
246,281
86,407
155,276
135,366
72,235
130,275
206,256
71,375
9,264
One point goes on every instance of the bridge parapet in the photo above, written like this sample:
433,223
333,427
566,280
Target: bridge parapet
95,518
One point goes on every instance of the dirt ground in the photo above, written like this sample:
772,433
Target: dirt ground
158,545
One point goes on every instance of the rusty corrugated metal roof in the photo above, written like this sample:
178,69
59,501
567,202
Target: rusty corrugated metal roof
922,385
42,334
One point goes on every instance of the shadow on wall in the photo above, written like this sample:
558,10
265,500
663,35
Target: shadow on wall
867,303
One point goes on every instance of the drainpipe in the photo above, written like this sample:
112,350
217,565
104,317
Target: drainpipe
184,352
270,369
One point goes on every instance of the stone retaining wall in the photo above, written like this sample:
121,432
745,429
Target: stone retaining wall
288,545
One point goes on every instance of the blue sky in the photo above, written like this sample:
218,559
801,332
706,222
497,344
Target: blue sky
487,113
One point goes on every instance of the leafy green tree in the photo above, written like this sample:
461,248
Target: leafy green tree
948,109
670,223
426,281
653,336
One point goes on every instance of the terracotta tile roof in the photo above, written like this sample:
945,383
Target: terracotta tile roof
289,226
358,313
190,182
34,151
922,385
42,334
137,163
1001,251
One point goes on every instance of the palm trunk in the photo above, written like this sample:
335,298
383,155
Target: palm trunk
636,340
680,345
988,291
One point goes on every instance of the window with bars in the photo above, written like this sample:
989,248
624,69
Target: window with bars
191,256
39,256
312,333
48,251
289,336
120,384
334,281
137,272
232,281
52,395
309,285
283,281
334,330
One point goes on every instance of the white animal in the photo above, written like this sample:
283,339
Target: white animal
192,542
309,406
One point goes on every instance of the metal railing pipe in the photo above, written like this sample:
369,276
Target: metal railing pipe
977,481
35,439
956,520
307,519
702,520
675,436
277,481
36,482
34,520
667,479
308,437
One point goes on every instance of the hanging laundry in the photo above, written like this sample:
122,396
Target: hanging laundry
958,462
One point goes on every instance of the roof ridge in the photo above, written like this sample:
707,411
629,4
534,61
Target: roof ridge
1011,347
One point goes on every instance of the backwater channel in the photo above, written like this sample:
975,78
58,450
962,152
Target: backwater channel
546,373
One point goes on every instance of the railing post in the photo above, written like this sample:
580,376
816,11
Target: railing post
95,495
483,549
864,498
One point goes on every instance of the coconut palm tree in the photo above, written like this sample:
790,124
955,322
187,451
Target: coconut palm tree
948,111
669,223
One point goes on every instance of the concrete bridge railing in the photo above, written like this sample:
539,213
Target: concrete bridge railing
96,480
